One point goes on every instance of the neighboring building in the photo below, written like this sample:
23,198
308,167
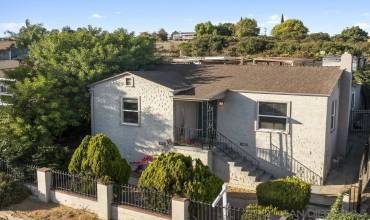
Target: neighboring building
284,61
268,121
4,80
184,36
8,50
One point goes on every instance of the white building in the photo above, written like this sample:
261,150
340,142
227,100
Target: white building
184,36
258,121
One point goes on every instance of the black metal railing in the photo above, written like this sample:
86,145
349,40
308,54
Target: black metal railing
360,121
25,174
142,198
204,211
212,138
192,137
282,160
81,185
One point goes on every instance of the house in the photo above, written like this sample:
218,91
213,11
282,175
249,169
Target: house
248,123
281,61
4,80
8,50
184,36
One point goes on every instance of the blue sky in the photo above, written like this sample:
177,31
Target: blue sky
150,15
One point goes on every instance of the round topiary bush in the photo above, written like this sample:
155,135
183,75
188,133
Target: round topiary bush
97,156
254,211
289,193
175,173
11,191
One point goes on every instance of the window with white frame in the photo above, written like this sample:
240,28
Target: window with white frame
333,115
130,111
272,116
3,89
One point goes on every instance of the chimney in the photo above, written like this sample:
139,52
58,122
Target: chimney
346,62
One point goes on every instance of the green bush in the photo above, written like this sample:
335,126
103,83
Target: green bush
11,192
335,212
175,173
254,211
97,156
289,193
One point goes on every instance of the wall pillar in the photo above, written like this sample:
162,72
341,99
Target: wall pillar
105,199
180,208
44,184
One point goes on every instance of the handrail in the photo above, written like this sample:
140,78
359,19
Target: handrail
238,149
301,170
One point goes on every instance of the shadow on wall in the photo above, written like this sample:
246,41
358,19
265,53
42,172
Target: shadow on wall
133,140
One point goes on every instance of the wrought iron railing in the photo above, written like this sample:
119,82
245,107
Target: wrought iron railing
142,198
212,138
82,185
290,165
25,174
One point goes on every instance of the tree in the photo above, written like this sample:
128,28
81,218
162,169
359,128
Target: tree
320,36
354,34
28,34
97,156
204,28
173,33
162,35
246,27
251,45
225,29
175,173
51,97
291,28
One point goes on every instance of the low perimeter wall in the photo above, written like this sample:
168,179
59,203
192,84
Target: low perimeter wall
102,205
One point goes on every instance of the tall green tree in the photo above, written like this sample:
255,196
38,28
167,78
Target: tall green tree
204,28
28,34
291,28
354,34
51,97
162,35
246,27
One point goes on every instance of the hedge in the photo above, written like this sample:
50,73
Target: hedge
254,211
289,193
11,191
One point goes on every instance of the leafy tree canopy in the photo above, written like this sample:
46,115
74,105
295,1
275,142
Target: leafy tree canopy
28,34
246,27
291,28
51,97
97,156
162,35
354,33
204,28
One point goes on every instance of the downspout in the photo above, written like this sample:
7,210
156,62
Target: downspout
92,109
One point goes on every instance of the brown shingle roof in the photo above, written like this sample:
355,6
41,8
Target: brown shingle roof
6,44
7,64
211,80
204,82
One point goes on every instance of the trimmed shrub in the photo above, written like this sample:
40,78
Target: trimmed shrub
97,156
11,192
175,173
289,193
254,211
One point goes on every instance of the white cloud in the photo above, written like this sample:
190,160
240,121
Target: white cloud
274,19
366,14
96,16
363,25
10,26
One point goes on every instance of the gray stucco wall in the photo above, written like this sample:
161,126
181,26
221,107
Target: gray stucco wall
156,118
305,141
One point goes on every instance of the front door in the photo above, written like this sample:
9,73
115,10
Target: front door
207,120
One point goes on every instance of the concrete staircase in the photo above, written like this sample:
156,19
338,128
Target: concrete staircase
241,173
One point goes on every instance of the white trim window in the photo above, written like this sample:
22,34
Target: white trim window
3,89
130,111
333,115
272,116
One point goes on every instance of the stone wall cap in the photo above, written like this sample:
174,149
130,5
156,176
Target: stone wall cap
179,198
44,169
